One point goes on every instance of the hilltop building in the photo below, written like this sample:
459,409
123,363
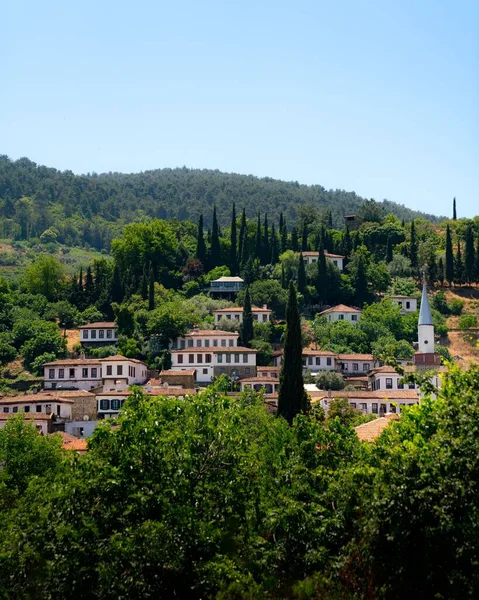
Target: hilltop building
235,313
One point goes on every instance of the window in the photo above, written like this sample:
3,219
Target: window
93,334
355,366
182,344
6,409
198,344
374,408
389,383
400,385
51,373
228,358
104,404
378,384
84,372
119,369
61,373
335,263
354,317
58,410
205,371
115,405
85,334
15,409
345,366
341,317
304,362
318,360
180,359
215,342
412,386
231,343
247,371
94,372
26,409
223,343
365,366
101,334
38,408
353,404
220,358
228,317
109,334
207,358
363,406
408,304
109,370
237,317
199,358
191,358
207,343
237,358
71,373
400,303
190,343
310,360
265,318
329,361
245,358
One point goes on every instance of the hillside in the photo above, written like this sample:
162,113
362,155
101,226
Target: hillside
93,208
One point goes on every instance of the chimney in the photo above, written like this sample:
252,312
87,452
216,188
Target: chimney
265,307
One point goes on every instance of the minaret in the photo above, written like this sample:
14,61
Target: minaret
425,326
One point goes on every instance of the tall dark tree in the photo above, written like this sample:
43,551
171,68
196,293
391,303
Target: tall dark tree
301,275
329,219
144,284
432,268
292,398
215,254
200,243
258,245
266,251
389,249
247,324
294,240
454,212
80,281
283,277
274,246
284,236
89,290
459,266
242,238
304,238
322,275
281,222
117,290
469,255
413,246
440,270
347,243
477,261
233,249
449,257
151,289
360,282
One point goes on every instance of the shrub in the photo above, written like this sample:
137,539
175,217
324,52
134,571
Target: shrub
456,306
467,321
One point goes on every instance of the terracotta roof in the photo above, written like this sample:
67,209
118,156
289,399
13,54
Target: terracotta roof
99,325
368,432
240,309
316,253
340,308
402,296
167,391
66,437
272,369
184,372
391,395
259,380
312,352
210,332
72,361
30,415
390,369
32,398
118,357
356,357
78,445
214,350
333,255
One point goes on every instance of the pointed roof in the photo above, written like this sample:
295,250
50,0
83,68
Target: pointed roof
425,317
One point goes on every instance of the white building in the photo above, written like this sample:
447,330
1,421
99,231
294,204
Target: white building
310,258
314,361
72,373
226,286
235,313
98,334
42,422
119,373
341,312
270,385
43,402
375,402
355,364
425,326
407,304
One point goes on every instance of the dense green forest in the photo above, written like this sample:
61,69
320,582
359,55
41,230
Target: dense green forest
91,209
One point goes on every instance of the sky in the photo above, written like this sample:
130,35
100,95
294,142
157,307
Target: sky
377,97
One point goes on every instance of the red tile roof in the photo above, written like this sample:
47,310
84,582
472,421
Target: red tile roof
368,432
30,415
340,308
240,309
73,362
390,395
368,357
210,332
214,350
99,325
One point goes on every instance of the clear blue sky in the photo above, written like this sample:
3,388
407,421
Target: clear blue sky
380,97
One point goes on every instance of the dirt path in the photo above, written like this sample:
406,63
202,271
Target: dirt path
462,344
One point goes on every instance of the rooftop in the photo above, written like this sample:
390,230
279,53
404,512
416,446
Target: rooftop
211,332
390,395
340,308
32,398
73,362
356,357
183,372
368,432
240,309
119,357
31,415
213,349
228,279
99,325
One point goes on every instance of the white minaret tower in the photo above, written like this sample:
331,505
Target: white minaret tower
425,328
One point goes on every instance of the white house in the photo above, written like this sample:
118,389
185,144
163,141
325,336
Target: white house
110,403
270,385
268,372
72,373
314,361
355,364
98,334
226,285
45,403
310,258
119,373
341,312
42,421
407,304
235,313
375,402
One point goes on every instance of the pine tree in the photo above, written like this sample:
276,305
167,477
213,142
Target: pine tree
266,251
449,257
454,212
233,255
459,266
440,270
469,255
242,239
301,275
215,254
292,398
151,289
304,238
281,222
200,244
294,240
274,246
247,324
322,276
258,247
389,250
413,246
116,289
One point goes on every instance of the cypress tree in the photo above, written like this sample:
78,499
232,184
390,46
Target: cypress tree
449,257
413,246
292,398
301,275
258,247
347,244
215,256
294,240
281,222
144,284
283,277
432,268
242,238
304,238
477,261
329,219
454,212
469,256
322,275
247,324
274,246
389,250
116,289
80,281
151,289
266,252
361,283
284,237
233,255
459,266
440,270
200,243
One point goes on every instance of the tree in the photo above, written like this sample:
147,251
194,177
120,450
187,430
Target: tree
413,246
274,246
301,275
258,246
151,289
449,257
347,244
284,236
233,248
247,324
304,237
440,269
389,250
459,265
242,240
45,276
265,250
292,399
294,240
469,255
116,289
215,251
454,213
322,275
200,243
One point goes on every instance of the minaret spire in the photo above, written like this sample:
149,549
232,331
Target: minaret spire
425,326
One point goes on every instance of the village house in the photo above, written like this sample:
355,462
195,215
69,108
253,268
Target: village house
341,312
43,422
235,313
355,364
98,334
377,402
226,287
110,403
270,385
41,403
310,258
406,304
119,373
317,361
268,372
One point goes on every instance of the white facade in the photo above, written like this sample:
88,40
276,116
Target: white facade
370,402
310,258
61,408
77,373
119,373
407,304
42,422
270,385
97,334
206,338
341,312
235,313
356,364
213,361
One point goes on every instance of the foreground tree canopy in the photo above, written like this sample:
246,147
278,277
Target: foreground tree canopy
212,497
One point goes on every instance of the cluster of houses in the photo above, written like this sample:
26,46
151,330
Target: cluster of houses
78,392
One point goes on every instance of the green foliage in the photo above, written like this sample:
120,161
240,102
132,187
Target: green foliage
64,313
91,315
45,276
36,366
129,347
467,321
330,380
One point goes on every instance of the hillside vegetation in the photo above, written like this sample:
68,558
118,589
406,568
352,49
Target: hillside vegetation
77,209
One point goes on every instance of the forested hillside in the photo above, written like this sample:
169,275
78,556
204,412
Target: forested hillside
92,209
